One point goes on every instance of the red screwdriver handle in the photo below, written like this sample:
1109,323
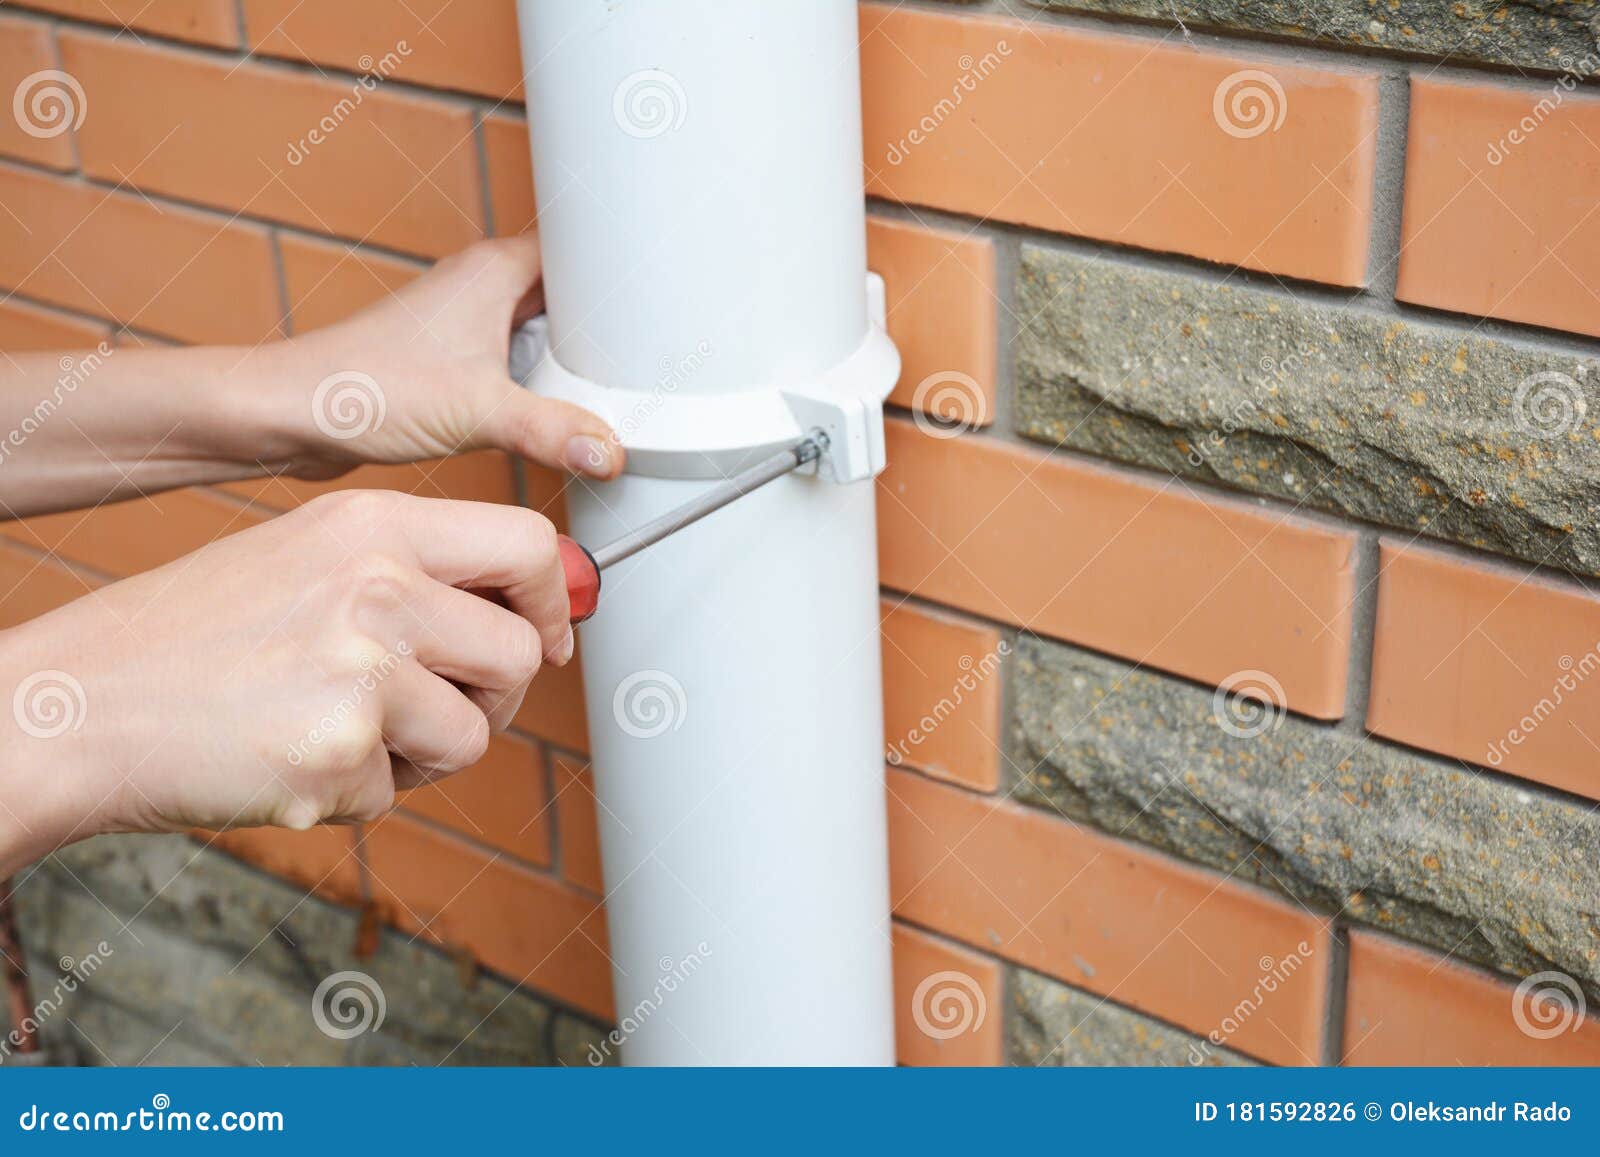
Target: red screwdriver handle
583,578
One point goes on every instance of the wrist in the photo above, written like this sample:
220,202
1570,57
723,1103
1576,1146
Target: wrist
47,798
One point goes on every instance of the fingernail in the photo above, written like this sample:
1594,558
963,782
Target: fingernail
586,455
564,652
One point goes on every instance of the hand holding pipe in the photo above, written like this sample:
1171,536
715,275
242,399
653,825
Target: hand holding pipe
582,567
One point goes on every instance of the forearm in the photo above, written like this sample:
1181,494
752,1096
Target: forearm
81,428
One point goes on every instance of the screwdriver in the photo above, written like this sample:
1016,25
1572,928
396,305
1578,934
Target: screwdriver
583,566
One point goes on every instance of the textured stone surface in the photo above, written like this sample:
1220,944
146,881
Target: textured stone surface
1425,849
1411,425
1051,1024
212,962
1554,35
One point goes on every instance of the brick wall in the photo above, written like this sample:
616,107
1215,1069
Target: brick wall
1241,639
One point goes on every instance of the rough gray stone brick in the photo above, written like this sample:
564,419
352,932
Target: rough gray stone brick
213,962
1549,35
1490,444
1051,1024
1454,858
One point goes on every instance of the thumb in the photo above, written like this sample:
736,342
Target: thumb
556,434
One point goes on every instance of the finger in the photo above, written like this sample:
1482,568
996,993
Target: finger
554,434
531,305
430,723
468,639
507,548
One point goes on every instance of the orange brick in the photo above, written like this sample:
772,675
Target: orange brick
43,132
521,923
202,21
472,47
941,695
1497,226
321,860
394,168
500,800
554,709
949,1003
25,327
1121,138
1406,1006
177,272
327,281
505,142
128,538
1171,940
31,585
1200,588
942,295
1486,665
576,814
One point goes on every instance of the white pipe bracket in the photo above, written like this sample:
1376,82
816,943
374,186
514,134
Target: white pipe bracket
674,433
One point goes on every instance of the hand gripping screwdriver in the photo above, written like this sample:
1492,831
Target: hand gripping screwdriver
583,566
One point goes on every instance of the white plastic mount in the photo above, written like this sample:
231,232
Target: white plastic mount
672,433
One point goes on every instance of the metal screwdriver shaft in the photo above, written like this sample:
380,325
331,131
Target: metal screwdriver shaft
583,566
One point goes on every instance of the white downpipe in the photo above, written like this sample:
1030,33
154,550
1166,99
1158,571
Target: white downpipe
698,169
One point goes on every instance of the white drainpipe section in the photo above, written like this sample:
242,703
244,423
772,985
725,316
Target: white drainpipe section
698,167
